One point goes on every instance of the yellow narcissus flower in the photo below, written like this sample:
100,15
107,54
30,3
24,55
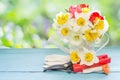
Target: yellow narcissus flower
62,18
99,25
85,10
91,35
74,57
102,28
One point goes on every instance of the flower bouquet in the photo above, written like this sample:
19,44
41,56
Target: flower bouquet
81,29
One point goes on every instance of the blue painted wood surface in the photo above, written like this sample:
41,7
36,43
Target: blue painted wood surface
27,64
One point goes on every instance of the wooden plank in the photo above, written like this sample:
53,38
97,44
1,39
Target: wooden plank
24,59
114,53
32,59
57,76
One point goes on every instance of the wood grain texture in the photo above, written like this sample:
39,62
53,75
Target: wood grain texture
27,64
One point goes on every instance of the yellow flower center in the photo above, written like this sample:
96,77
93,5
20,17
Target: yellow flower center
62,19
88,57
65,31
81,21
91,35
85,10
99,25
76,37
74,57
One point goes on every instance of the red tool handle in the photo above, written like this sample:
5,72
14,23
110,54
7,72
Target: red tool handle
103,59
100,63
102,56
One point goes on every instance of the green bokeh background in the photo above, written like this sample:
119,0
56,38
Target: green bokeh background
27,23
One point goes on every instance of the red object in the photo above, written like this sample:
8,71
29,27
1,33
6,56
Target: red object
102,56
84,5
100,63
74,9
78,67
77,8
95,15
103,59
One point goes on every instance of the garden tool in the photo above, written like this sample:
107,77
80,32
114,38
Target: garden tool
52,63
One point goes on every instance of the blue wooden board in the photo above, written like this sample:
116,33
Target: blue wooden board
27,64
58,76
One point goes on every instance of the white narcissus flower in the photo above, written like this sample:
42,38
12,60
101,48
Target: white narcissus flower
75,39
81,21
88,57
64,32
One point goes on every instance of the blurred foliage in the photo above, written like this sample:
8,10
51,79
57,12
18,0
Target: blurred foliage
27,23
